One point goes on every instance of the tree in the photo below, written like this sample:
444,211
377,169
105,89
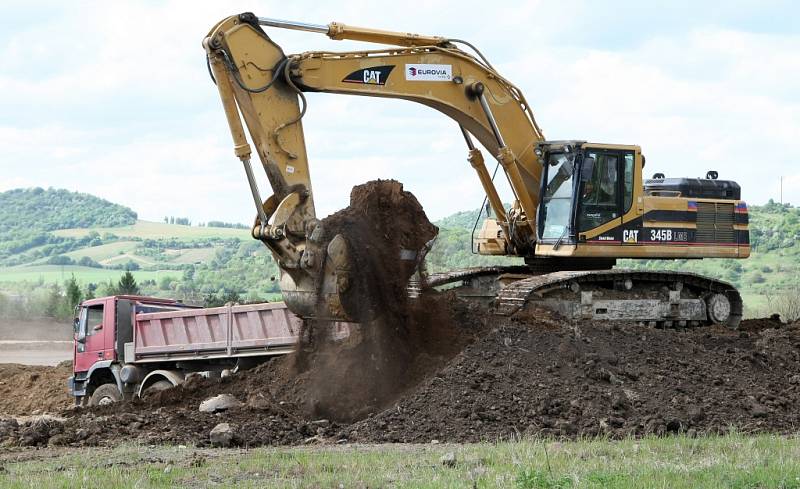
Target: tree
74,294
127,284
60,260
52,301
165,283
90,291
108,288
222,298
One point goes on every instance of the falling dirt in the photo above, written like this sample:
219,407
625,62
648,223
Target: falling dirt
437,368
387,232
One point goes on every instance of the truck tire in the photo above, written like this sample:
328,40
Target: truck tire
105,394
157,386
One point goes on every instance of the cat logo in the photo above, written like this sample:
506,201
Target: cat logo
630,235
377,75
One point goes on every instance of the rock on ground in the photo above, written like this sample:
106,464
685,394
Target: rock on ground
222,435
222,402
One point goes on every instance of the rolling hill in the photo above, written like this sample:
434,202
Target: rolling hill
96,241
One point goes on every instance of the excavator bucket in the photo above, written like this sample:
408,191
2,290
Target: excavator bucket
363,256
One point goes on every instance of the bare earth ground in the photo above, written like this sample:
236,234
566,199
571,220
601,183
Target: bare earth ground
35,329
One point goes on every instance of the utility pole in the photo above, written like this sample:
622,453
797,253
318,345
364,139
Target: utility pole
781,190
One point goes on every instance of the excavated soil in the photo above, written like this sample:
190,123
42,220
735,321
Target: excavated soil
440,369
547,377
537,376
28,389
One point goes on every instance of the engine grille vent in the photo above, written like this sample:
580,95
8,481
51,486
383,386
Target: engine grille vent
715,223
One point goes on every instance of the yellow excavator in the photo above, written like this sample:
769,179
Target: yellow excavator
577,206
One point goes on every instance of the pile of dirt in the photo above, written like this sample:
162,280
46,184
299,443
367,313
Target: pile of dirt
28,389
547,377
539,377
274,410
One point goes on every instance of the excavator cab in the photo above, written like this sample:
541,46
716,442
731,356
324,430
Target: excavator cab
584,188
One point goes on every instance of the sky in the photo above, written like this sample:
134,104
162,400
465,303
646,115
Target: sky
113,98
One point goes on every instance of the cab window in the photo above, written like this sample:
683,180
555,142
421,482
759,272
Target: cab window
609,192
91,316
628,190
600,194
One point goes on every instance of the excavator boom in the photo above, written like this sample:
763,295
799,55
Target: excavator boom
260,84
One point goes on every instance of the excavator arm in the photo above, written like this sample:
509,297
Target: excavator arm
260,84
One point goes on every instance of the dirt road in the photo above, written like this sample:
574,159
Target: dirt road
35,342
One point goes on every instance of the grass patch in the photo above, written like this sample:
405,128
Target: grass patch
103,252
735,461
191,255
59,273
158,230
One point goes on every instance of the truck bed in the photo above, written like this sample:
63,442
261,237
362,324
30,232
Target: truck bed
219,332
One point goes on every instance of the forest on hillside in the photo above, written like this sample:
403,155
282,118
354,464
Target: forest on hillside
49,209
27,217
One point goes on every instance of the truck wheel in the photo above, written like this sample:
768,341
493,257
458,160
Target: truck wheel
157,386
104,395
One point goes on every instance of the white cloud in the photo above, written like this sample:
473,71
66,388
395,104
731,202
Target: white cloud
723,109
114,99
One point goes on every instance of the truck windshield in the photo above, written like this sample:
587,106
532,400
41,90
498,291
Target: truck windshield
557,197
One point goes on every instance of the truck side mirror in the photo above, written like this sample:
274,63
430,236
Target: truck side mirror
587,169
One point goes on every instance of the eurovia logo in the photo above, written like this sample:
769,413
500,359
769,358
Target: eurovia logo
427,72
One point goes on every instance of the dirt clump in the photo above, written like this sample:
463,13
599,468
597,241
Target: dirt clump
755,325
33,389
387,234
386,231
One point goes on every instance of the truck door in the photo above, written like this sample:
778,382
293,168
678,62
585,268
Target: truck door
90,344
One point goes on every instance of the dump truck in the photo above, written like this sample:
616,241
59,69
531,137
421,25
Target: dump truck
127,345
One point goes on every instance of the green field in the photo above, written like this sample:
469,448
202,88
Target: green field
103,252
732,461
193,255
58,274
159,230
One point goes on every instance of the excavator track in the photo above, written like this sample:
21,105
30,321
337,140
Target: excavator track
472,282
653,297
661,297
